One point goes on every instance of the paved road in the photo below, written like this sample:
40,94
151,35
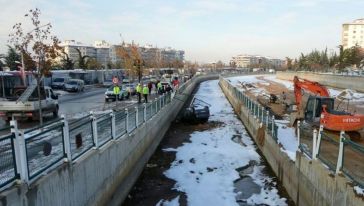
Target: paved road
76,103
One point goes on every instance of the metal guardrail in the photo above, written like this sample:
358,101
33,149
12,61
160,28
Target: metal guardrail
353,155
81,137
44,149
8,167
104,129
342,155
120,123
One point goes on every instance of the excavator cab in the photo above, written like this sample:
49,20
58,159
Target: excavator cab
314,107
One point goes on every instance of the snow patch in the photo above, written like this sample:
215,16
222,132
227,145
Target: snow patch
268,194
287,84
287,138
173,202
358,190
206,167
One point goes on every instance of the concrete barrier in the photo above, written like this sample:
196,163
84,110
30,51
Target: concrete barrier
308,182
103,176
332,80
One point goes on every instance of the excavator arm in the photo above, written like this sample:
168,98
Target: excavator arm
313,87
331,120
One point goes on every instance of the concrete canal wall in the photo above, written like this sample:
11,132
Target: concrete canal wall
103,176
339,81
308,182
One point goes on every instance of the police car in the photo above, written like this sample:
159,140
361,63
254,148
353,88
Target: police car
109,94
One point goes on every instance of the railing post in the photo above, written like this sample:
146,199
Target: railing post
341,153
66,139
273,122
254,110
163,97
127,120
319,136
262,117
113,124
267,119
20,152
314,136
156,105
136,117
145,112
299,132
94,129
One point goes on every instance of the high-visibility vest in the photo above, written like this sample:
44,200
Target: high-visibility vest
159,85
145,90
116,90
139,89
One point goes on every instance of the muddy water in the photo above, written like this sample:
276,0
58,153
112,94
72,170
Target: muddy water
153,186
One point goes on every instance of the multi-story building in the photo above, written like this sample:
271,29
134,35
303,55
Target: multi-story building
353,34
102,52
71,46
170,55
151,55
245,61
105,53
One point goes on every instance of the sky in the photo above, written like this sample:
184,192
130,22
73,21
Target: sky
208,30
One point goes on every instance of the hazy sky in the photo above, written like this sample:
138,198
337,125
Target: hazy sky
208,30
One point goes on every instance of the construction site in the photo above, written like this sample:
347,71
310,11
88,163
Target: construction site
311,108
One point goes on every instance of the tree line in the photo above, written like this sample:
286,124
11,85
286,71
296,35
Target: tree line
323,61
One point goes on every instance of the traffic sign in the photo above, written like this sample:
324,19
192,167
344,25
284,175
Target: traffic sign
115,80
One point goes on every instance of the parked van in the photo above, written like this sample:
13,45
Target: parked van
59,82
74,85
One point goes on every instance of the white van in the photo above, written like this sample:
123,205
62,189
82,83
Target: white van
59,82
75,85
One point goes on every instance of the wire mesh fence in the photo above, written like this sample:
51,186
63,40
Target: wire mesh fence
306,140
44,149
353,165
120,123
81,137
132,121
148,111
104,130
328,150
140,115
8,169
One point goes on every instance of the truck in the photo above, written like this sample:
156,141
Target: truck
12,107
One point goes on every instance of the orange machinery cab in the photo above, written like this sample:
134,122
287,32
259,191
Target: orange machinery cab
342,121
322,108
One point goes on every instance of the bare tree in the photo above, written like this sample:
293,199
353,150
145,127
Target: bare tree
39,45
131,60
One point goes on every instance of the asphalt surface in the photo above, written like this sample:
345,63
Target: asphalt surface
73,104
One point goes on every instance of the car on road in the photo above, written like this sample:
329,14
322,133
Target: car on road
59,82
75,85
109,94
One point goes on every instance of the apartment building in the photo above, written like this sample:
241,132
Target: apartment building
245,61
104,53
353,34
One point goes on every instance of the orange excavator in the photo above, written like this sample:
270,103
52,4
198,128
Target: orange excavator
320,108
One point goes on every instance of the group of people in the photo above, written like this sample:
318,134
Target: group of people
146,89
142,90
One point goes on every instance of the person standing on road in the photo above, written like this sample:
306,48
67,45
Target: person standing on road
145,93
139,92
159,86
116,91
150,85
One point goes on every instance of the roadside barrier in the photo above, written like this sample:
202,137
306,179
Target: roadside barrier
27,155
339,154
